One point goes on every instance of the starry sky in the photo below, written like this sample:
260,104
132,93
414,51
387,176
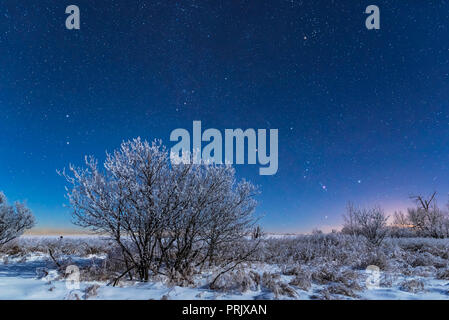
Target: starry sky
363,115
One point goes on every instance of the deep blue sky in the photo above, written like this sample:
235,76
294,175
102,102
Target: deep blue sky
363,113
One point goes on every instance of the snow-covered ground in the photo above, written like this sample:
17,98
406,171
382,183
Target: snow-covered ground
34,276
20,280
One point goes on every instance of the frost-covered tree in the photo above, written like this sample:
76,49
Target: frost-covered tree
167,218
426,219
14,219
369,223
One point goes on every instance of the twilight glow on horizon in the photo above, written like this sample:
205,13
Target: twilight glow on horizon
362,115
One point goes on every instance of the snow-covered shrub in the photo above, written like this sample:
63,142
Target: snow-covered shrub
331,273
423,259
268,278
370,258
14,220
284,289
326,273
165,217
426,219
303,281
295,270
351,279
334,291
97,271
341,289
184,279
314,249
437,247
396,231
271,281
238,281
443,274
424,271
387,280
323,294
72,295
13,249
77,246
369,223
412,286
91,291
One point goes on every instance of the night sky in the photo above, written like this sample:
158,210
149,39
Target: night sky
363,115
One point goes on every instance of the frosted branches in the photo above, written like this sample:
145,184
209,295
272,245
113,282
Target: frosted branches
167,218
14,219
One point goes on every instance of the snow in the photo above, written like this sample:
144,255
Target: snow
34,276
18,280
435,290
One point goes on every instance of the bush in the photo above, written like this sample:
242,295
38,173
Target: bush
376,258
443,274
302,281
369,223
238,281
91,291
272,282
426,219
341,289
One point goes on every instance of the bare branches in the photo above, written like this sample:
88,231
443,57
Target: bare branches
425,204
14,219
166,218
369,223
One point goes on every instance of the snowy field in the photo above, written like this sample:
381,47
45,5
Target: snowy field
304,267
